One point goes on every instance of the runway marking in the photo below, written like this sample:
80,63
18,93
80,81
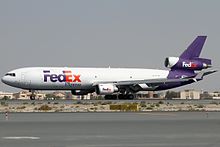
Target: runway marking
21,137
158,114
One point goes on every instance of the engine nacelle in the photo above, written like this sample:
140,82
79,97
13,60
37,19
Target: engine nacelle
190,64
105,89
171,61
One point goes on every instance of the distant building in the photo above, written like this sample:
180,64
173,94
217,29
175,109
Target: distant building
161,95
169,95
26,95
215,95
6,95
85,97
149,95
190,94
206,95
68,95
142,95
59,94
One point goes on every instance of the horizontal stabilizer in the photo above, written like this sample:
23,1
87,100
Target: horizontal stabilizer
200,75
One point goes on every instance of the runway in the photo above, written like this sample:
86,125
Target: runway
161,129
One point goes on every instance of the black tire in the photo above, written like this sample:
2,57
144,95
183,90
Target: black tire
32,97
126,97
121,97
130,96
110,97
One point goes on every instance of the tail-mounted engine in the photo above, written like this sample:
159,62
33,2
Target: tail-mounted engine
190,64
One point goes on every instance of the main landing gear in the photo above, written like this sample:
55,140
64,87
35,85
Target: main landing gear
126,97
120,97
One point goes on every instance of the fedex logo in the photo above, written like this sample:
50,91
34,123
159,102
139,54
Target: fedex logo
66,76
106,89
190,64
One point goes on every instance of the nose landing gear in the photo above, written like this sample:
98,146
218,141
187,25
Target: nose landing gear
33,95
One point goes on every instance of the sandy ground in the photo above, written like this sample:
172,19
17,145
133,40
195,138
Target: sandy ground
104,106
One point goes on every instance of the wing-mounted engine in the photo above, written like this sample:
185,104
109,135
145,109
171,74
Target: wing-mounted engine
190,64
105,89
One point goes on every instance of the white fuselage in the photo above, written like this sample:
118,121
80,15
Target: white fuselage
58,78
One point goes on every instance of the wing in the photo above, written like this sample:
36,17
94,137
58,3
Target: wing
157,82
147,81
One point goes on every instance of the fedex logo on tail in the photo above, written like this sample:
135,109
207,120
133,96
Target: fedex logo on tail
66,76
189,64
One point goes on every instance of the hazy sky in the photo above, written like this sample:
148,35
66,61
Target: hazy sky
102,33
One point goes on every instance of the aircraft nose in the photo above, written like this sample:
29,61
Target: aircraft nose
3,79
10,79
6,80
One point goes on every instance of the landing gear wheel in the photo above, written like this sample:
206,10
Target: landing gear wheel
110,97
125,96
130,96
121,96
32,97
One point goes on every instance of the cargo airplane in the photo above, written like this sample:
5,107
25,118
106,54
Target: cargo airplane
119,83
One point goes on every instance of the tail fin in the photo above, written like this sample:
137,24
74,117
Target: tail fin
189,59
194,49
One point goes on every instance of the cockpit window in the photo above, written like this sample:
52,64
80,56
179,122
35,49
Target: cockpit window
10,74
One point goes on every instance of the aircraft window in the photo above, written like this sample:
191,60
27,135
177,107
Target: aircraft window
10,74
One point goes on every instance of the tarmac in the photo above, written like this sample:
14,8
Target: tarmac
152,129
